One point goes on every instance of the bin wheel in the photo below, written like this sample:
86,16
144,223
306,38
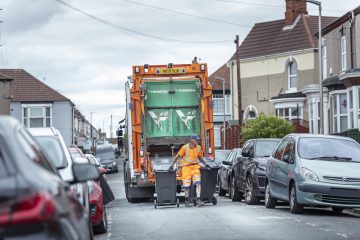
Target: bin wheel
155,204
177,203
214,200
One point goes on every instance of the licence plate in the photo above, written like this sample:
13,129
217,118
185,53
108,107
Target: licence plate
170,70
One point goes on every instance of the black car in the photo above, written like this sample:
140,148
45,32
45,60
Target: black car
250,170
35,203
107,157
221,155
226,172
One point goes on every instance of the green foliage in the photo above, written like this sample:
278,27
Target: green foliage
266,127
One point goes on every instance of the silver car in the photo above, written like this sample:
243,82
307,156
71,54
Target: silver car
314,170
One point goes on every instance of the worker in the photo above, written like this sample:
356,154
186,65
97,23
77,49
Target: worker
191,155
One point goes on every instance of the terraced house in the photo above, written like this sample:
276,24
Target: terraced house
341,62
279,67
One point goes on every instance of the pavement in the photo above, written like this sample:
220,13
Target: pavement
226,220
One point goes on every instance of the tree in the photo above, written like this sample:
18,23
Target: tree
266,127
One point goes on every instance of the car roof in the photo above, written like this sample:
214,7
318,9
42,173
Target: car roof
307,135
7,123
44,131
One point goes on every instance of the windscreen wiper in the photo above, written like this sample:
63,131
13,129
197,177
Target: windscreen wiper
332,158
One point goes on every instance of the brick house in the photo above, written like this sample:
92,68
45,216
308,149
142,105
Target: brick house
278,59
216,80
37,105
5,94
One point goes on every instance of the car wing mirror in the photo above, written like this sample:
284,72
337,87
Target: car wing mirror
85,172
226,163
245,154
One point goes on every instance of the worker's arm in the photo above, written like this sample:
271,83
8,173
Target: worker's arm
176,158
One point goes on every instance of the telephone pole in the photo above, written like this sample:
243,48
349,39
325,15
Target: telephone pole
238,79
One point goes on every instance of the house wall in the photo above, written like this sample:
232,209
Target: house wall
357,43
5,91
63,120
264,78
62,117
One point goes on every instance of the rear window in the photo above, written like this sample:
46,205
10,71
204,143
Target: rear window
265,148
53,149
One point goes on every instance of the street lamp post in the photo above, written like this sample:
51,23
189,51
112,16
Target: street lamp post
320,67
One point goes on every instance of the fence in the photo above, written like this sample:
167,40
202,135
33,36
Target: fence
352,133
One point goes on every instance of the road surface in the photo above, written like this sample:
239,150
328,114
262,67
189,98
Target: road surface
226,220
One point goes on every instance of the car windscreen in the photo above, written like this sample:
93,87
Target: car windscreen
329,149
105,154
52,147
265,148
221,155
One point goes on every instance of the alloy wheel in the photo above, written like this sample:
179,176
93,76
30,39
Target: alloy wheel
248,189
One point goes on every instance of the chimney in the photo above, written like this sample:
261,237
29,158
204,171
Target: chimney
293,9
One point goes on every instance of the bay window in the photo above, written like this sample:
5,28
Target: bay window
34,116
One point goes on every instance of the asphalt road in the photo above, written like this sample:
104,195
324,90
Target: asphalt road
226,220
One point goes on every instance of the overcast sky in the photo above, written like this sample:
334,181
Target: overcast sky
89,61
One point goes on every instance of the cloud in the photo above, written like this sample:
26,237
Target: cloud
25,15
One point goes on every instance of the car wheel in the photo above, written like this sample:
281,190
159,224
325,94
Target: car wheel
250,198
221,191
235,194
270,202
102,227
337,210
295,207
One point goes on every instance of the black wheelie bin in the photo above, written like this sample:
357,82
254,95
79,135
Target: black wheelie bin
165,187
208,183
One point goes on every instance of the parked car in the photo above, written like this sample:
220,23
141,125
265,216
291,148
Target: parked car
94,161
34,200
54,146
221,155
107,157
250,170
96,204
226,171
314,170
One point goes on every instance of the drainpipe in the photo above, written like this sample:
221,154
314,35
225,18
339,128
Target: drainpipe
352,18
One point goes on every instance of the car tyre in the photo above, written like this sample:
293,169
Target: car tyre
221,191
235,194
337,210
102,227
270,202
250,198
295,207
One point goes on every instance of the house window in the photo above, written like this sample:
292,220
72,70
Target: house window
292,77
37,116
314,108
340,104
250,113
351,109
218,104
343,53
324,52
290,113
217,135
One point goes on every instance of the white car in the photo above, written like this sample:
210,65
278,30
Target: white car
54,146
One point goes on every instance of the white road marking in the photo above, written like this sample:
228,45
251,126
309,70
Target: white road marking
342,235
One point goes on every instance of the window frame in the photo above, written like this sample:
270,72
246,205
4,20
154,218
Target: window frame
292,75
284,141
324,54
336,111
219,98
292,153
343,53
26,120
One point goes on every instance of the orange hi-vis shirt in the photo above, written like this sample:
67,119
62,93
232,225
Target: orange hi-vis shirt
190,156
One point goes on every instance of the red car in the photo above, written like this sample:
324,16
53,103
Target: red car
96,204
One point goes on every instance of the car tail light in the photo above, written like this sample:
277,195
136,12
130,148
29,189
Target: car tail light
33,208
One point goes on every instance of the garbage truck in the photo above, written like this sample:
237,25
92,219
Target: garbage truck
165,104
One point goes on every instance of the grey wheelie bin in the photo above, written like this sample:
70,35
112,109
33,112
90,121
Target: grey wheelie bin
208,183
165,188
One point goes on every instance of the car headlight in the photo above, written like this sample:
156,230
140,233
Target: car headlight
309,175
90,187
